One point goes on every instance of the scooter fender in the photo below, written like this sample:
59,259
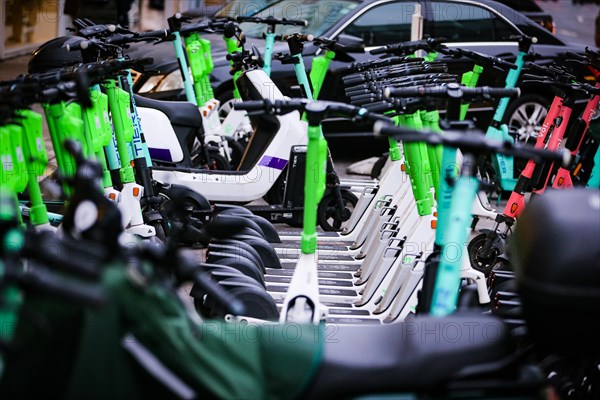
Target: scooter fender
152,216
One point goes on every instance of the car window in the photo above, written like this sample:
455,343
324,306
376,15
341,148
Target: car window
466,23
522,5
243,8
320,15
384,24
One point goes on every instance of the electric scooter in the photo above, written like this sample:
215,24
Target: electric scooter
333,295
486,250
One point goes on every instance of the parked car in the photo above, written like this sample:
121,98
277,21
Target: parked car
483,26
533,11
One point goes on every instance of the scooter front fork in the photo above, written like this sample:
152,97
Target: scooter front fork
133,220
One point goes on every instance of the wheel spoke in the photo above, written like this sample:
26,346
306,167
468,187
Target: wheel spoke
537,115
521,116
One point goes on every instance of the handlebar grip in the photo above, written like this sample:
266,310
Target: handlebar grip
272,20
158,34
76,45
576,56
374,116
361,66
304,37
295,22
445,90
252,105
499,92
379,106
380,50
201,26
418,91
41,279
68,256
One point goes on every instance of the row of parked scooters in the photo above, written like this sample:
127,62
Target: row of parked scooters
393,298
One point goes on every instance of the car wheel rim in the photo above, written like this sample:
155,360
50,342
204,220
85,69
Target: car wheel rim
526,121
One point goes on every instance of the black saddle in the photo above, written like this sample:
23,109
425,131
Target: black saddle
178,112
417,355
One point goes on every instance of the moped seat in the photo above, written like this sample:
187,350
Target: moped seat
421,354
178,112
267,227
242,264
222,226
264,249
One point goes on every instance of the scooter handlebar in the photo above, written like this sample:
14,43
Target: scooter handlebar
452,90
198,27
303,37
277,107
477,57
65,255
474,141
524,41
40,279
409,47
270,20
361,66
324,108
157,34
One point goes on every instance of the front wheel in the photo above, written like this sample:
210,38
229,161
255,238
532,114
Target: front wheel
478,262
160,230
329,214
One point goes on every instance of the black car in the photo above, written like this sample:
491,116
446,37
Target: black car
482,26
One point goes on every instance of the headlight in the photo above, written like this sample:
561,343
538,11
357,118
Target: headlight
151,83
172,81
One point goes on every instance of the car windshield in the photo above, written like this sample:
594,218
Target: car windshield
243,8
321,15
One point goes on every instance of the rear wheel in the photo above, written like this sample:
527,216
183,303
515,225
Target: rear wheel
215,162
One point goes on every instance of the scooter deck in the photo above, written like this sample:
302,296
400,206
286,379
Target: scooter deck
295,245
322,282
338,317
295,235
328,267
328,291
322,274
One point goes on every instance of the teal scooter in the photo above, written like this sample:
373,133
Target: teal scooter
441,297
503,164
270,36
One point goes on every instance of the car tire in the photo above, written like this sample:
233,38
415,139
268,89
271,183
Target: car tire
524,118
